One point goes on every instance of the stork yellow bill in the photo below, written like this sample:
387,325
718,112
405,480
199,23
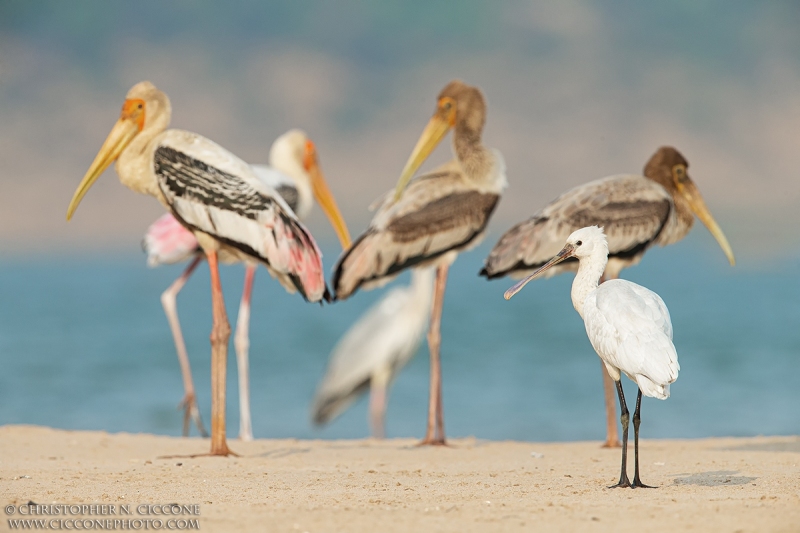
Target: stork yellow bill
440,123
324,196
130,123
687,189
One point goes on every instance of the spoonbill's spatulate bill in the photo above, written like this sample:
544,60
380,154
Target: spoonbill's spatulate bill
295,174
374,351
221,200
628,326
635,213
428,220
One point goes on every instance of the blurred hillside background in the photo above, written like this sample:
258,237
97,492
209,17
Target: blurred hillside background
577,90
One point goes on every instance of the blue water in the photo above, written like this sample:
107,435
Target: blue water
84,345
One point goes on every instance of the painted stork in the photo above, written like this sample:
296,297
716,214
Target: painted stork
220,199
427,221
374,351
636,212
295,174
629,328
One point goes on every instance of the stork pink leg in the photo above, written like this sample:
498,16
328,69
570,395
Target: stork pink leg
220,334
189,402
439,406
612,434
241,341
378,386
377,404
609,390
435,431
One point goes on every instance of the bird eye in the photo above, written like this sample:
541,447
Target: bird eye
679,174
447,105
139,106
578,243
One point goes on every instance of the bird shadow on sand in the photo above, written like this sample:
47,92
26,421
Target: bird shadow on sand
282,452
780,446
716,478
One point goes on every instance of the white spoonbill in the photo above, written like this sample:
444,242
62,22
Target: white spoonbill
221,200
429,220
374,351
635,213
295,174
628,326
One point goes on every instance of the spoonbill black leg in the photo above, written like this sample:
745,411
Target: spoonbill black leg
624,419
636,420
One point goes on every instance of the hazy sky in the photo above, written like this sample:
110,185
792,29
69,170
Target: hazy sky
577,90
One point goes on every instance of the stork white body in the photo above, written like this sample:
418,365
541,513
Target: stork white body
628,325
374,350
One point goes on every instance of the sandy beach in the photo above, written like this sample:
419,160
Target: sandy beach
719,484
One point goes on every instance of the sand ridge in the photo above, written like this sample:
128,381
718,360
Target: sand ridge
717,484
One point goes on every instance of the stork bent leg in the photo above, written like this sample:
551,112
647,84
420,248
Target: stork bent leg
189,402
624,420
220,334
435,431
241,341
612,435
636,420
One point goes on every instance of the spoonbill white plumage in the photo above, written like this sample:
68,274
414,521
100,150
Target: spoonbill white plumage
220,199
635,212
429,220
628,326
295,174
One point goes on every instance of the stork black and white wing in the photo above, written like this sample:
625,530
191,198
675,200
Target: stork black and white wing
428,222
223,198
